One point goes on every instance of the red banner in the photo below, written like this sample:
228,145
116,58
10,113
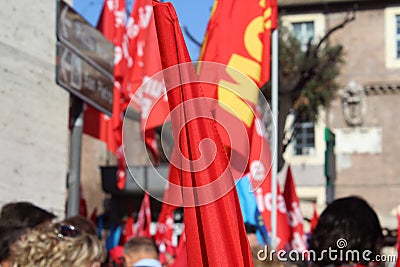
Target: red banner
144,218
297,239
260,176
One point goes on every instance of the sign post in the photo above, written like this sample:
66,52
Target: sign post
85,68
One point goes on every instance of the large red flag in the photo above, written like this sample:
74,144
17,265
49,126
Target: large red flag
297,239
214,227
144,218
247,50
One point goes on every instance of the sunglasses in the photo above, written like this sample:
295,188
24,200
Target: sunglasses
67,230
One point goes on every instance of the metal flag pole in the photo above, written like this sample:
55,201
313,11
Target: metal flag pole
274,96
74,173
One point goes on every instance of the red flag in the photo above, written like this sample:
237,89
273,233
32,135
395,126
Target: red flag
129,230
314,219
215,231
297,238
247,48
165,228
260,176
151,99
113,25
144,218
181,255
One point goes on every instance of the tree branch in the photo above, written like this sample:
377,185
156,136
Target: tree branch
191,37
347,19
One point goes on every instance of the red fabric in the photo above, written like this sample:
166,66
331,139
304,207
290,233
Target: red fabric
314,219
297,238
151,100
112,23
260,174
129,230
144,218
252,22
246,49
117,254
165,228
93,216
181,255
215,232
82,204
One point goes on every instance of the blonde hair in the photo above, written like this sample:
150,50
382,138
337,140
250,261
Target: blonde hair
46,247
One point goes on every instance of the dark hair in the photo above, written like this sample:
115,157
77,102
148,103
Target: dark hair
83,224
24,214
141,244
250,228
350,219
9,234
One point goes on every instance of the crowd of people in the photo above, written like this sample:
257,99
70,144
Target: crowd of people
32,236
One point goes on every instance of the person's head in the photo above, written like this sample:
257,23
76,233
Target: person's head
59,245
9,235
25,214
347,224
139,248
82,223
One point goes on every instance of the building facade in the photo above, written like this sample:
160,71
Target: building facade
34,110
363,115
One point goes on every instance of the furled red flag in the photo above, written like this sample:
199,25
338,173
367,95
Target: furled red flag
297,238
144,218
214,226
314,219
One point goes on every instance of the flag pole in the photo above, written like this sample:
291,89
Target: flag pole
274,96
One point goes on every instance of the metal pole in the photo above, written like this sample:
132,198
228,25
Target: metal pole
274,96
74,173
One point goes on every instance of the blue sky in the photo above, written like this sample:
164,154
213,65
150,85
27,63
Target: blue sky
192,14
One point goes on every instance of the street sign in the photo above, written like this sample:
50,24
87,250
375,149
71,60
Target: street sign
86,41
83,80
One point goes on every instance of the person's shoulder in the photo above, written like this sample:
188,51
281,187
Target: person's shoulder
147,263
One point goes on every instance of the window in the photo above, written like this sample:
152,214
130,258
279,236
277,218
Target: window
305,26
392,37
304,31
304,141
